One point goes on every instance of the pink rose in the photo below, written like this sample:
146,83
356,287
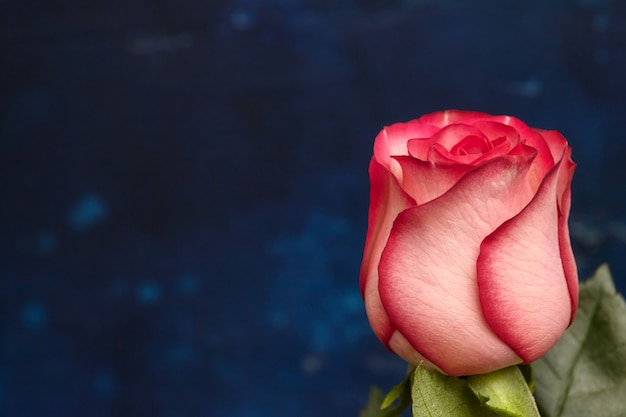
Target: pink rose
467,264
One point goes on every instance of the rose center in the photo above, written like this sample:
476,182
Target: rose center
471,145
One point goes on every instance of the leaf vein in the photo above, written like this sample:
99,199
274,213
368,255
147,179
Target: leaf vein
570,372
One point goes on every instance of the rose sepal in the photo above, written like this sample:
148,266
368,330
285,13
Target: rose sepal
394,402
506,392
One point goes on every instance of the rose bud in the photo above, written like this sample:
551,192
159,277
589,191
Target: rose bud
468,266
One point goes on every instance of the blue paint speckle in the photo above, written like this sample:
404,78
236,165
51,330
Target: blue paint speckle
179,355
188,285
105,384
34,315
148,293
46,243
86,212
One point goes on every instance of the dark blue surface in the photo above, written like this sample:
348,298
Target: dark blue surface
183,185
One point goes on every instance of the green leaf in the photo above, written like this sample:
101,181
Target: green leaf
505,392
379,405
584,374
436,394
372,409
527,371
402,391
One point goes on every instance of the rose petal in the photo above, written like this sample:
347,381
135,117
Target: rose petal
419,148
555,142
392,140
401,347
427,271
386,200
447,138
440,156
495,130
424,181
502,146
451,135
544,160
445,118
472,145
523,290
564,193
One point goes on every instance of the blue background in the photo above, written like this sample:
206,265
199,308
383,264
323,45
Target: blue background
184,190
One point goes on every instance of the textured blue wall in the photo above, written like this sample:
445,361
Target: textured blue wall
183,185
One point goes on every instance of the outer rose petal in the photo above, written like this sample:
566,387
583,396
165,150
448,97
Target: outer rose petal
401,347
392,141
523,290
427,271
555,142
564,192
447,117
386,201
